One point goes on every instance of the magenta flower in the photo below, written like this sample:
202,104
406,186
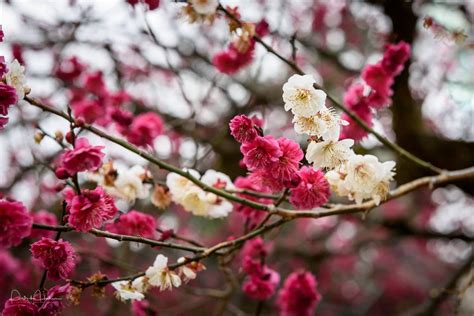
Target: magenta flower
94,83
83,157
89,209
57,257
89,110
299,295
260,152
134,223
353,130
18,306
8,97
53,303
46,218
69,69
144,129
242,128
261,286
15,223
230,60
312,191
395,56
377,78
288,163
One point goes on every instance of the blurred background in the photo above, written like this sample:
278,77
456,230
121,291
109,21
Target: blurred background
394,262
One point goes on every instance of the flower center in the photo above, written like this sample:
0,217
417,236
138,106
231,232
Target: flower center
303,95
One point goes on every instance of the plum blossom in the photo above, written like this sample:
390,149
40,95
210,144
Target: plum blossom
362,177
189,271
19,306
312,191
325,124
261,286
301,97
244,128
260,152
329,154
367,177
53,302
130,184
83,157
57,257
144,129
196,200
231,59
134,223
287,164
15,77
8,97
89,209
159,275
125,290
299,295
15,223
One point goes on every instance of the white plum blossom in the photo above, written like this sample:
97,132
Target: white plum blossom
126,183
188,271
179,185
301,97
336,181
125,290
15,77
205,7
197,201
362,177
130,184
329,154
325,124
159,275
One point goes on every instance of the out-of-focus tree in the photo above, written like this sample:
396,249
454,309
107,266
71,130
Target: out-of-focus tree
111,139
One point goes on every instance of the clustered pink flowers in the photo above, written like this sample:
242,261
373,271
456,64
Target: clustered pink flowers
90,209
261,281
57,257
92,102
83,157
299,295
379,78
134,223
274,165
15,223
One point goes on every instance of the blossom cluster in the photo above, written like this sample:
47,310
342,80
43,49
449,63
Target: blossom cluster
274,165
92,102
196,200
374,90
358,177
261,281
12,85
240,52
158,275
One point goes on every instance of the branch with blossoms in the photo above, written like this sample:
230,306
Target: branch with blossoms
284,180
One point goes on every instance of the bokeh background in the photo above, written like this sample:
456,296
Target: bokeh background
390,263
